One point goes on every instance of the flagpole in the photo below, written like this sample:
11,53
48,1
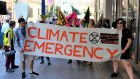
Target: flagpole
43,7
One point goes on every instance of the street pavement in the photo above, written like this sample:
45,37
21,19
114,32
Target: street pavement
59,69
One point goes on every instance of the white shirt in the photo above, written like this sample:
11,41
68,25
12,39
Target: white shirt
5,26
81,26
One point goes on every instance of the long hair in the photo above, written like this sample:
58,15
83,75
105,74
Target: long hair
124,23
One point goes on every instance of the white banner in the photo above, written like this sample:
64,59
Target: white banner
88,44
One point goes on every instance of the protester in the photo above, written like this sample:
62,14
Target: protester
42,58
99,24
73,25
82,23
91,23
106,23
5,26
9,48
125,44
20,34
114,25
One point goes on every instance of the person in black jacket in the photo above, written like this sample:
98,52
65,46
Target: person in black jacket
126,41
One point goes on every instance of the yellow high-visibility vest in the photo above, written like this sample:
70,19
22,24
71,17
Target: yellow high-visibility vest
5,40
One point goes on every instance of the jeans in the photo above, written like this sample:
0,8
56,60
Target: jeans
10,59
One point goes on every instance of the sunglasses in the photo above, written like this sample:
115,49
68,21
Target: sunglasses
120,23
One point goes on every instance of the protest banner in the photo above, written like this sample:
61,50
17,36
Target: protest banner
96,45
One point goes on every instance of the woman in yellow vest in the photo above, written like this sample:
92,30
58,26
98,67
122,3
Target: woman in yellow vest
9,48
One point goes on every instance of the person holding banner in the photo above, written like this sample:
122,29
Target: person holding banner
106,23
82,23
19,35
91,23
126,42
73,25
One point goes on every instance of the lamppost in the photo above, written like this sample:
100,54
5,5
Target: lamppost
43,7
43,15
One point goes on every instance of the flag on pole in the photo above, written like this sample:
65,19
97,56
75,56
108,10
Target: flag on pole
75,10
50,5
44,17
87,17
61,20
15,1
70,17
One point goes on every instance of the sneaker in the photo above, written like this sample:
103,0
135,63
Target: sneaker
23,75
78,62
34,73
9,70
114,75
49,63
70,61
41,62
15,67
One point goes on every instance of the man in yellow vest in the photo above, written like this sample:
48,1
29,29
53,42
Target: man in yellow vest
9,48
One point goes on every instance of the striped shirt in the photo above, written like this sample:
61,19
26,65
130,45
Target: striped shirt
19,39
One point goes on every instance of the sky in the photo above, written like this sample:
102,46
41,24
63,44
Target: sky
81,5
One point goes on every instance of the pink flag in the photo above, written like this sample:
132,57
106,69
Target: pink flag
70,17
50,2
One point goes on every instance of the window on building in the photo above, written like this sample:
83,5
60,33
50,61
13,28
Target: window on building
38,12
31,13
124,9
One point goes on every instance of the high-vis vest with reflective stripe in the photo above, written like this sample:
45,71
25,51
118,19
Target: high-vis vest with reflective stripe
5,40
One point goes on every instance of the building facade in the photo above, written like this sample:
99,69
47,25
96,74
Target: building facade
129,10
34,5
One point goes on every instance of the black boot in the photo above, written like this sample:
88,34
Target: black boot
114,75
23,75
9,70
70,61
42,60
14,67
48,59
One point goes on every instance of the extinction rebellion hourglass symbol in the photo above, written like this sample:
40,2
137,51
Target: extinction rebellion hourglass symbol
94,38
